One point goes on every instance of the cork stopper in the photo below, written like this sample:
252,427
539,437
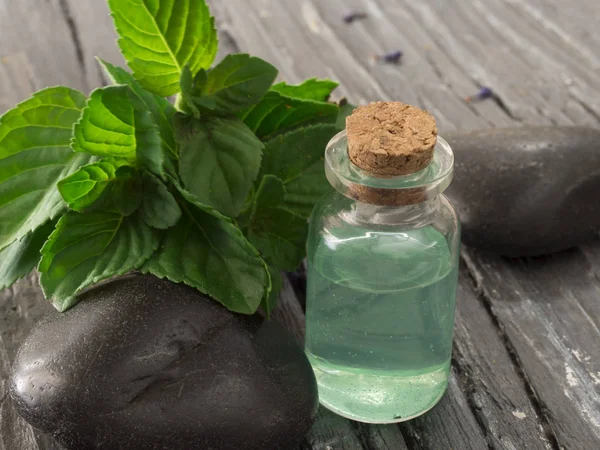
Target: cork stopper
388,139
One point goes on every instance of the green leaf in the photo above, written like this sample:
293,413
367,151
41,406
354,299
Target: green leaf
21,257
185,102
107,127
160,208
126,194
312,89
270,194
289,155
272,297
276,113
149,148
279,234
159,38
162,110
296,158
303,192
213,256
236,83
87,248
34,155
190,198
83,188
219,161
117,123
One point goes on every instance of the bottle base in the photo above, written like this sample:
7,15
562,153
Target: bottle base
372,396
335,410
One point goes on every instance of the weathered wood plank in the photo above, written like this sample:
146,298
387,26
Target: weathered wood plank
541,64
557,69
547,310
16,80
426,76
38,29
93,31
491,378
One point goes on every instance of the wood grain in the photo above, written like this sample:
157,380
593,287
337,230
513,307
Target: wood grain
38,30
526,367
547,311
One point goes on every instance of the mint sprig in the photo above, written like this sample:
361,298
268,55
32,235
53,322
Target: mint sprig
158,38
213,192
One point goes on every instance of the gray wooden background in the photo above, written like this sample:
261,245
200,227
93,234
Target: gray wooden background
526,365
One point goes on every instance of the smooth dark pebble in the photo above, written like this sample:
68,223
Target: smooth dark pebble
143,363
527,191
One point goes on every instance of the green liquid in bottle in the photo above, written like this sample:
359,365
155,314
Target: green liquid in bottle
379,323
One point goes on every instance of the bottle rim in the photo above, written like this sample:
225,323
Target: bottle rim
348,178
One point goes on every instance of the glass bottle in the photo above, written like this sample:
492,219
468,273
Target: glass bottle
381,289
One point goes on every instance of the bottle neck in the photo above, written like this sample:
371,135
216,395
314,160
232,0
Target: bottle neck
397,192
361,213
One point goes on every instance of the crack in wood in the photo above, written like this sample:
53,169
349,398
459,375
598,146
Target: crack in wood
538,405
359,431
70,21
587,108
411,434
465,380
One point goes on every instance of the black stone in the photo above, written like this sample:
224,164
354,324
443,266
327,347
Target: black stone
527,191
143,363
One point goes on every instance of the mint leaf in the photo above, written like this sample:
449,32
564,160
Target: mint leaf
219,161
279,234
159,38
303,192
162,110
126,193
277,112
270,300
312,89
107,126
21,257
160,208
149,148
34,155
186,103
270,194
213,256
83,188
190,198
117,123
288,155
236,83
87,248
296,157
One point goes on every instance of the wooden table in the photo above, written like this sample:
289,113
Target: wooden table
526,364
